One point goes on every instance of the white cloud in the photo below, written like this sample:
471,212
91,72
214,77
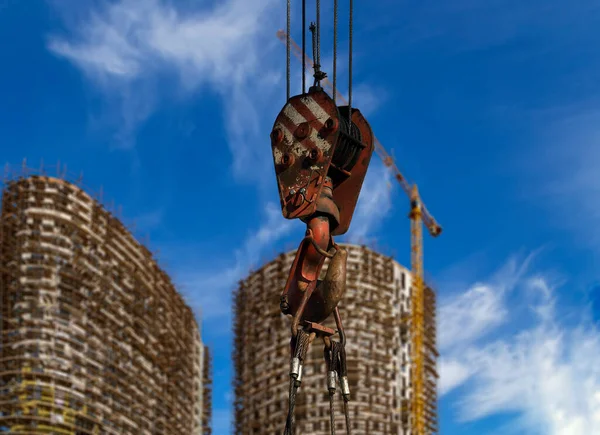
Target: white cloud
211,289
545,372
469,316
368,98
127,47
374,202
452,374
127,40
565,173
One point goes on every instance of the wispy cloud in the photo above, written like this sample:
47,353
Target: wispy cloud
368,98
452,374
127,48
374,203
541,371
466,317
212,289
128,40
563,169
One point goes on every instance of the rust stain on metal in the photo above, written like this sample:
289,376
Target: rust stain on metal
347,191
329,292
302,151
320,330
321,154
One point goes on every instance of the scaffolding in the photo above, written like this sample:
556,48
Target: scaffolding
378,350
430,360
95,338
207,392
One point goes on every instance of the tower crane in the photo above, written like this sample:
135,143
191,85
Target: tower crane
422,411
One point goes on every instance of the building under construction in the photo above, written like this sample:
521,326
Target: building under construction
376,311
95,338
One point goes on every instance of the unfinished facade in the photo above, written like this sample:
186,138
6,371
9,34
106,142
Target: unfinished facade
95,338
206,408
375,317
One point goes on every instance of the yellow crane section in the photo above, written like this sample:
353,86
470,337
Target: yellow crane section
419,418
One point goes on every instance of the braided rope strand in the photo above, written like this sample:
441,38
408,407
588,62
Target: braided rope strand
350,62
288,49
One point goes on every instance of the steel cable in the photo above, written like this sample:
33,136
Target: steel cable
304,46
332,412
290,423
331,363
347,414
342,356
318,3
343,374
350,62
288,48
300,348
335,32
335,356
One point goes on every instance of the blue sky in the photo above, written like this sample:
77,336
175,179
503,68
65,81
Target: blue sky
492,107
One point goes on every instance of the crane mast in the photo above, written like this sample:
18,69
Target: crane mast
417,320
422,411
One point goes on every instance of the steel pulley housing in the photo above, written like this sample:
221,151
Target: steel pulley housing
312,140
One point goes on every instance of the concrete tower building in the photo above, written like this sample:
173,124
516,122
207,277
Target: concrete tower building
375,314
95,338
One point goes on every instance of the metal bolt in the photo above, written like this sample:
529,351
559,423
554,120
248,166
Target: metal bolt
287,159
302,130
292,192
277,135
329,127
